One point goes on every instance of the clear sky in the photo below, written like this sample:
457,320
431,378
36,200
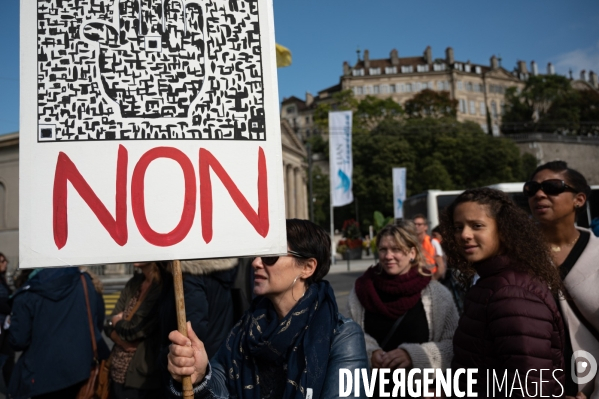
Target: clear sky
321,34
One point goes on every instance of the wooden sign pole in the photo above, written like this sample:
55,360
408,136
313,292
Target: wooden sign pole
181,320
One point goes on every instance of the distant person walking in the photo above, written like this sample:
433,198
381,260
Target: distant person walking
431,249
50,325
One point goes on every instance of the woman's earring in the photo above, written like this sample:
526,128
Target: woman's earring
294,280
411,260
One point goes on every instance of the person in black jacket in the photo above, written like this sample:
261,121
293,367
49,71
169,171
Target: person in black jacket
209,304
49,324
7,355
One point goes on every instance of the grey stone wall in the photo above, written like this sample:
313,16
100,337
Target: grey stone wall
582,156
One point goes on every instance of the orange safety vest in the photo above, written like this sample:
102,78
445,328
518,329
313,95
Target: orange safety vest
429,252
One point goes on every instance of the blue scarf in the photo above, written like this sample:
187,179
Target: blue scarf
300,344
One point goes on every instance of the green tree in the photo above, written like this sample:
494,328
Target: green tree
429,103
439,153
322,195
549,104
367,113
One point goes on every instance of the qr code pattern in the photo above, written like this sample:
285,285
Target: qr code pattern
149,69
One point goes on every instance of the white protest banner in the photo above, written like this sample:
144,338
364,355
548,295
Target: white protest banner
340,157
149,131
399,191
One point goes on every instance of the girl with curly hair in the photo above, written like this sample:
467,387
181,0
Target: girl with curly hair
511,325
408,319
556,194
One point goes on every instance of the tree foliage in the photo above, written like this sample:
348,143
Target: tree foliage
438,152
549,104
367,114
429,103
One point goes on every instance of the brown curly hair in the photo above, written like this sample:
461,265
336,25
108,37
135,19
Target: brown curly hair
520,238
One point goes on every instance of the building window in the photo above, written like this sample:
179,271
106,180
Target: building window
422,68
477,69
384,89
358,72
502,108
482,108
462,106
367,89
467,68
307,119
376,89
392,88
494,109
408,88
472,107
358,91
438,67
439,86
458,66
407,69
390,70
374,71
469,86
497,89
290,110
460,85
485,128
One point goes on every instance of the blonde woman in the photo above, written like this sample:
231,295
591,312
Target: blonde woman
408,319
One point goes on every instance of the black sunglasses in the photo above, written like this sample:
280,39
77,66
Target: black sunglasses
271,260
549,187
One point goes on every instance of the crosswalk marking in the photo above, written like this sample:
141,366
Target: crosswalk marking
110,301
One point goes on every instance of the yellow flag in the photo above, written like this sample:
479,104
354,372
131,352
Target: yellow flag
283,56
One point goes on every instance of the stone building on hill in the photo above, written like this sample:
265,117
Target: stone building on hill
479,89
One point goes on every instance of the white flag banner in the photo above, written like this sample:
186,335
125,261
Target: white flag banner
399,191
340,155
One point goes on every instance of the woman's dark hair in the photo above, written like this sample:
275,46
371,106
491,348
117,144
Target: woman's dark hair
310,239
520,238
572,177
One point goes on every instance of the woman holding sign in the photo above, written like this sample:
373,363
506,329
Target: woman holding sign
292,341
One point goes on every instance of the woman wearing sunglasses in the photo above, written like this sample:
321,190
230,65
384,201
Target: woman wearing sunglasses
556,194
292,341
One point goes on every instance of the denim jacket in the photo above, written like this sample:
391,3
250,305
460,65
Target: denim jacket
348,351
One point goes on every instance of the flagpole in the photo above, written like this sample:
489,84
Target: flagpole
331,182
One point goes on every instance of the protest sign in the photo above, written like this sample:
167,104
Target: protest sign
149,131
